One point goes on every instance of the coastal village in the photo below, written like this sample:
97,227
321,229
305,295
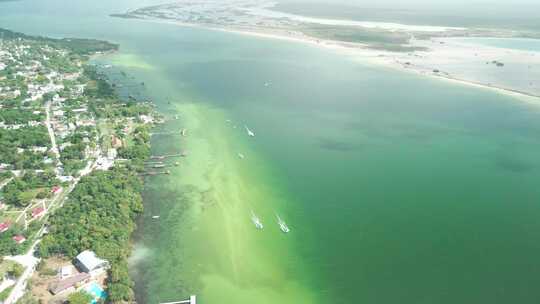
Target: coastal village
61,124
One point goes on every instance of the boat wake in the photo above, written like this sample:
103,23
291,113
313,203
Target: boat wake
256,221
282,225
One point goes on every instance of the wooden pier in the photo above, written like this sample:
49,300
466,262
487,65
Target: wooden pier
160,165
150,163
153,173
167,133
192,300
161,157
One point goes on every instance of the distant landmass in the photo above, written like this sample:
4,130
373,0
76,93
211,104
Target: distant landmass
401,38
77,45
488,17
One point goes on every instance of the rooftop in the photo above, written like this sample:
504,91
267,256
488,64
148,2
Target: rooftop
89,260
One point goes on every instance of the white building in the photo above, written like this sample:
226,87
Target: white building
65,272
88,262
112,153
103,163
146,119
65,178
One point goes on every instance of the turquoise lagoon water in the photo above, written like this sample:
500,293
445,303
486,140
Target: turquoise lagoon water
507,43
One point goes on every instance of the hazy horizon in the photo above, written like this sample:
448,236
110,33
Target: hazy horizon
425,4
520,13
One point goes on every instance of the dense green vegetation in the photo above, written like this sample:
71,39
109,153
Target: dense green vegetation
9,247
5,293
24,138
75,45
79,297
24,160
19,116
21,190
73,158
99,215
139,149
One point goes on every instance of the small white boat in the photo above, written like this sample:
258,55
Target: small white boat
249,132
155,217
241,155
282,225
256,221
266,84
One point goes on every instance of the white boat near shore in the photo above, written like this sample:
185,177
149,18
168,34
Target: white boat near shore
256,221
249,132
282,225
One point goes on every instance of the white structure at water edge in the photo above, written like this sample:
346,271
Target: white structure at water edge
192,300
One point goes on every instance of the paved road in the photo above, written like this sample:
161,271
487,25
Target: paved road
50,129
5,182
29,261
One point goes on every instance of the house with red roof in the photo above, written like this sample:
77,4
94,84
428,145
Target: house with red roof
116,142
38,212
56,189
4,226
19,239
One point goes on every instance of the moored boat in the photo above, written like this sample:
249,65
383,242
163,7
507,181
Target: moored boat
282,225
256,221
249,132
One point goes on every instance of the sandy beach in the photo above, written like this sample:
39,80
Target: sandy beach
444,55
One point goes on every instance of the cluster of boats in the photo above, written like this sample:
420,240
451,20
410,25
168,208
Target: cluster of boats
259,225
254,218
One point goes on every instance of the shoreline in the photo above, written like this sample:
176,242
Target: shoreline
367,56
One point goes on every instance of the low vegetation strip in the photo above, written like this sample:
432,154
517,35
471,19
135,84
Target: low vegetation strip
75,45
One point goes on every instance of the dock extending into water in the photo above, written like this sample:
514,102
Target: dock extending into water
192,300
160,157
153,173
167,133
